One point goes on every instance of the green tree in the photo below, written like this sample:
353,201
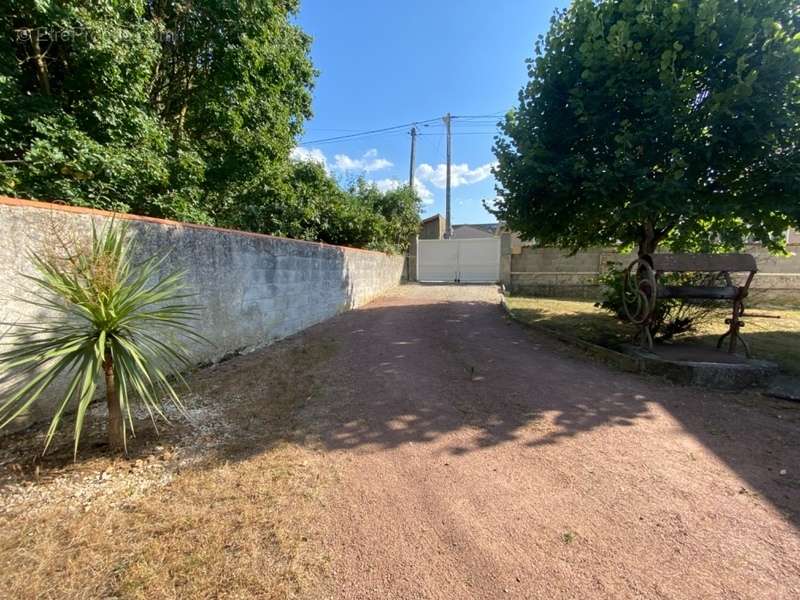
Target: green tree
181,109
170,109
656,121
304,202
74,121
394,212
233,83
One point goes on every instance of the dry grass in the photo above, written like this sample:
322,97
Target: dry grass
233,517
233,531
771,339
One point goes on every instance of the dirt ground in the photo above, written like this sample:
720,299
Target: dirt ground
424,447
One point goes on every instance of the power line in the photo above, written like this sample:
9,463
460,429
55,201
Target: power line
357,136
369,132
477,123
476,120
492,116
332,129
467,133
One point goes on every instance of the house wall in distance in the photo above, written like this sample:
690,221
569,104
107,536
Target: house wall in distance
432,228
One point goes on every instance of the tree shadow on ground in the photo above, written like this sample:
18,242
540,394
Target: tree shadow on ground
416,373
782,347
412,374
380,378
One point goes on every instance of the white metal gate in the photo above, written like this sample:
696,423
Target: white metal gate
469,261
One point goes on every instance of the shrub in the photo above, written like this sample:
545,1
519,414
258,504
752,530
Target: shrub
110,317
672,316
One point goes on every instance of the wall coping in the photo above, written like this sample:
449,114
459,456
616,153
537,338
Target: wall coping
82,210
612,250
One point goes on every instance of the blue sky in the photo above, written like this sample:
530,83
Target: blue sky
387,63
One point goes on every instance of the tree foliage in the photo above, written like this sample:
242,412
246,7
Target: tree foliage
161,108
648,121
184,109
307,203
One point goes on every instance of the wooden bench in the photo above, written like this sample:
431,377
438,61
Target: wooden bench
643,288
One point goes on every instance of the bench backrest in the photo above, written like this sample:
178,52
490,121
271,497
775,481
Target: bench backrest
681,263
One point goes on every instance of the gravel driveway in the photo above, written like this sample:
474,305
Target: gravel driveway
423,446
476,459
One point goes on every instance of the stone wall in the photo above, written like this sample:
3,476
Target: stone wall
254,289
553,272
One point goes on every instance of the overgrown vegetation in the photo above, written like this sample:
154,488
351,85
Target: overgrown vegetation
185,110
107,316
657,122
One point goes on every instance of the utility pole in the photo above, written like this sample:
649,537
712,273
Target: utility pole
448,223
413,157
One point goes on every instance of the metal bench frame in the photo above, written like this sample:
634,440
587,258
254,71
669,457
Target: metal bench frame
642,288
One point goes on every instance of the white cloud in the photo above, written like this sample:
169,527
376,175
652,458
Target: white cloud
386,185
314,155
369,162
459,174
423,192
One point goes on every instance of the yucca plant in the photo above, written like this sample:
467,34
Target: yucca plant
107,317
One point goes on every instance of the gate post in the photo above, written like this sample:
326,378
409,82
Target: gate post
505,260
411,259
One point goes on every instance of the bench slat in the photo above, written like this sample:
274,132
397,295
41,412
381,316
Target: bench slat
681,263
695,292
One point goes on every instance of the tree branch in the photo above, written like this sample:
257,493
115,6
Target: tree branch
41,65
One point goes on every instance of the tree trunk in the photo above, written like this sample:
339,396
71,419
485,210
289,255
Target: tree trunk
650,237
648,242
116,440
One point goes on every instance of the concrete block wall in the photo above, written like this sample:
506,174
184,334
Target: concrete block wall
778,277
253,289
554,272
